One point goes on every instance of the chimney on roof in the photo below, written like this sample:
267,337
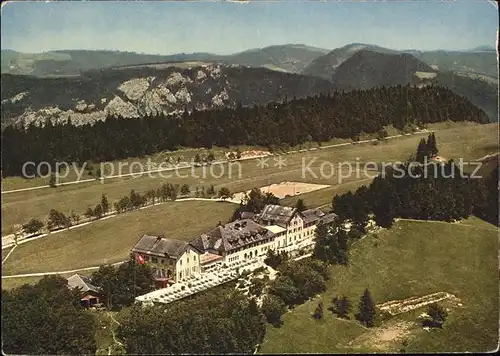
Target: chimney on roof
159,238
243,224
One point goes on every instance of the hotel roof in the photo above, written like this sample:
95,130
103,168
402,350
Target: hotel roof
231,236
82,282
275,229
276,215
160,246
312,215
207,258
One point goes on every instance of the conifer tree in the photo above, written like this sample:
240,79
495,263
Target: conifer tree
437,314
345,307
341,306
52,180
366,307
342,252
98,211
421,151
432,149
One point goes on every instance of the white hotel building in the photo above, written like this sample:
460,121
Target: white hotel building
232,245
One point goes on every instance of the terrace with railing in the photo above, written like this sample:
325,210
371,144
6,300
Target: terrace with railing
200,282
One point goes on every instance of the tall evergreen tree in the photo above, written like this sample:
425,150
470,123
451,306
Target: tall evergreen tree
432,149
367,313
421,151
52,180
341,306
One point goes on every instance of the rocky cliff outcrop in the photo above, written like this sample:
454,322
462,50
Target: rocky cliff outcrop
131,93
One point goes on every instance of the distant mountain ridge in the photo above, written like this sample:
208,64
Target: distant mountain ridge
473,75
367,69
294,58
134,85
481,60
290,58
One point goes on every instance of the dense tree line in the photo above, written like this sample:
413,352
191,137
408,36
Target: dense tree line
46,319
332,243
430,191
299,280
436,191
254,201
120,285
318,118
274,259
216,322
57,220
486,206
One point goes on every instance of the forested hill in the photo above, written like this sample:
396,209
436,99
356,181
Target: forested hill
143,91
369,69
318,118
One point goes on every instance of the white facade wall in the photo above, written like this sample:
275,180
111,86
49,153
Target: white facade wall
297,236
294,231
308,237
280,241
258,250
187,264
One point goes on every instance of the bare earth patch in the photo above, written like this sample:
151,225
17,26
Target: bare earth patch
395,307
284,189
249,154
386,337
425,75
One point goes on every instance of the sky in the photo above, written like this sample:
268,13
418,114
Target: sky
229,27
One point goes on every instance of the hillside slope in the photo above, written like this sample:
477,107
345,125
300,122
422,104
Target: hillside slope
481,62
326,65
289,58
482,94
368,69
478,60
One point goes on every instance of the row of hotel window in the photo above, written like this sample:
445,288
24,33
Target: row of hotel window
265,248
248,255
162,273
164,261
306,234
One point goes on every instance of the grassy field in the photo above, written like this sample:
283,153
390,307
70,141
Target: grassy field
139,164
412,259
467,141
185,154
110,240
124,166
